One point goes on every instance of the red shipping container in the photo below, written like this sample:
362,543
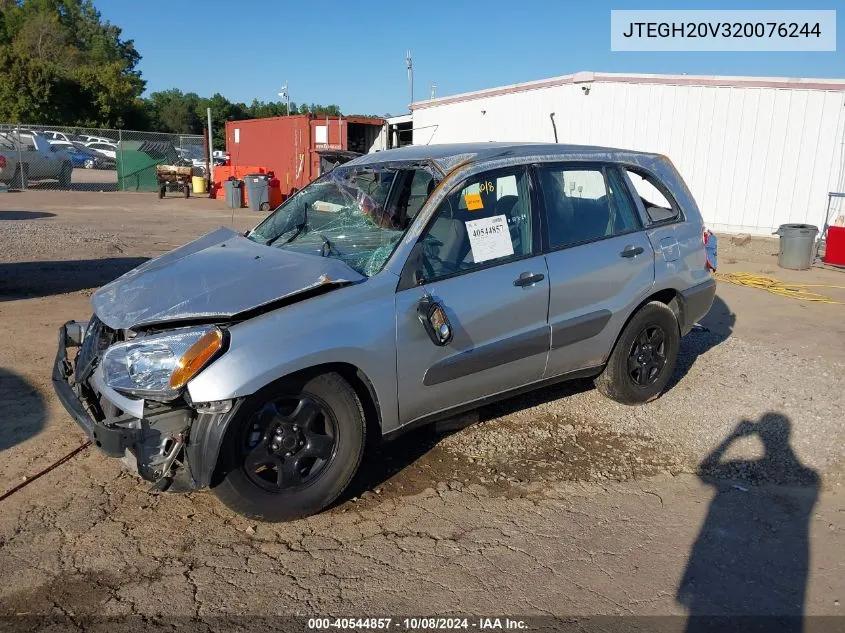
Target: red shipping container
835,246
290,146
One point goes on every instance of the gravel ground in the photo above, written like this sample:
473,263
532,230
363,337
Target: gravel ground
54,240
741,380
558,501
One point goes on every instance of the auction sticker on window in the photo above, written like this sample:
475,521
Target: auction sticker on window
473,201
489,238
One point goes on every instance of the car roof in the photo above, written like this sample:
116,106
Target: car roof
447,156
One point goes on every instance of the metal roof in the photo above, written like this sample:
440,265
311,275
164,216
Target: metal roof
725,81
446,156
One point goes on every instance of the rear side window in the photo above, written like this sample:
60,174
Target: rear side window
657,205
585,204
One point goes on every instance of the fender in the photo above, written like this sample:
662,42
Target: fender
202,448
354,325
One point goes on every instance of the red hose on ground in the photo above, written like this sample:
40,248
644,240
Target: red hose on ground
59,462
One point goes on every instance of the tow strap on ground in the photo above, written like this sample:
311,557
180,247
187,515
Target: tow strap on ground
778,287
41,473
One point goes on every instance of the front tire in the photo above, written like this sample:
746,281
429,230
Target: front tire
292,449
644,357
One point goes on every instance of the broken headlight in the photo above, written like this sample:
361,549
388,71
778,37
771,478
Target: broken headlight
158,366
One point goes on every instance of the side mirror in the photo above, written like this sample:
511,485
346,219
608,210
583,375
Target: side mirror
433,318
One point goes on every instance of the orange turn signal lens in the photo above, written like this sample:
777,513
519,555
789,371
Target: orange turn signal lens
196,357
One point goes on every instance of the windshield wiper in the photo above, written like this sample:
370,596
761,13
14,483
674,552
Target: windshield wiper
299,228
327,247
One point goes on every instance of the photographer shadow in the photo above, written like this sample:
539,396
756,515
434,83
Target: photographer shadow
751,557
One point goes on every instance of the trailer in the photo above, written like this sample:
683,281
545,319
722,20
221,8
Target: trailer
174,178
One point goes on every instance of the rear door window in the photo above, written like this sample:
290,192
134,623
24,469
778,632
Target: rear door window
585,204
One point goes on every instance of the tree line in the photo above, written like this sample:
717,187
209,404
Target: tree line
62,64
185,113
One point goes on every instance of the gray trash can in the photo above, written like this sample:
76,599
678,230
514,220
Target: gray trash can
796,245
258,191
234,193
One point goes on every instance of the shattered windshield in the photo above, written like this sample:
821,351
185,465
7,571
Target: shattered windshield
355,214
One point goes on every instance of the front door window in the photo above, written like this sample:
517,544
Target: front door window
486,221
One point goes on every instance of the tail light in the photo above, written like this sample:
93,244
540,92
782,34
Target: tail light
711,247
2,162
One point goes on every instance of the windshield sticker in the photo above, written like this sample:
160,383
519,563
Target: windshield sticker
489,238
473,201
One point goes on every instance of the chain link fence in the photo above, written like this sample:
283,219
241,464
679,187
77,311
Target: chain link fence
91,159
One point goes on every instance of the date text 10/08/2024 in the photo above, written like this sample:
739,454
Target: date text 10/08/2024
417,624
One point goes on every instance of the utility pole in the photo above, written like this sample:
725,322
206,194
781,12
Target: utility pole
410,65
284,95
210,149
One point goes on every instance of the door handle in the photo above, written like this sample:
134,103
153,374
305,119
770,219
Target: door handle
528,279
631,251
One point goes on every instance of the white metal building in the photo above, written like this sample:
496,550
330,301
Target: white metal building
756,152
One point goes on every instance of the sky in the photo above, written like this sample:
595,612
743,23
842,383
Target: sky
353,53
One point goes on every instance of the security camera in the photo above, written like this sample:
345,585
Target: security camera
585,89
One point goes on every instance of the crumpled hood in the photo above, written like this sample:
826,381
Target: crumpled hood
218,275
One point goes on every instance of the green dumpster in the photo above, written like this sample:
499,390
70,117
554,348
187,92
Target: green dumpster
136,161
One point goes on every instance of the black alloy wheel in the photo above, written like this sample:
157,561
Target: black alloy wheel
292,448
643,359
288,443
647,357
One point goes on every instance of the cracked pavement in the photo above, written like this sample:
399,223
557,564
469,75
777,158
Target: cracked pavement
557,502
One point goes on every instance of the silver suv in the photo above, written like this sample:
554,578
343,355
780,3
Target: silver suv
401,288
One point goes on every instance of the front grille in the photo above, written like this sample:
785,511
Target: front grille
98,336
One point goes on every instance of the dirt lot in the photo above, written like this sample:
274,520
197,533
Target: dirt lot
559,502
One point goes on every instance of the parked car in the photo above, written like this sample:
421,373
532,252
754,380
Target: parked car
53,136
82,156
106,149
404,287
195,156
87,138
25,157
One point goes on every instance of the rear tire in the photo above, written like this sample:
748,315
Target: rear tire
292,449
643,360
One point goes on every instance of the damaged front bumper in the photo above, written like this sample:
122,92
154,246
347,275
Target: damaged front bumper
149,437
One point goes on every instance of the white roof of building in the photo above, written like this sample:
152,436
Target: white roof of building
794,83
400,118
